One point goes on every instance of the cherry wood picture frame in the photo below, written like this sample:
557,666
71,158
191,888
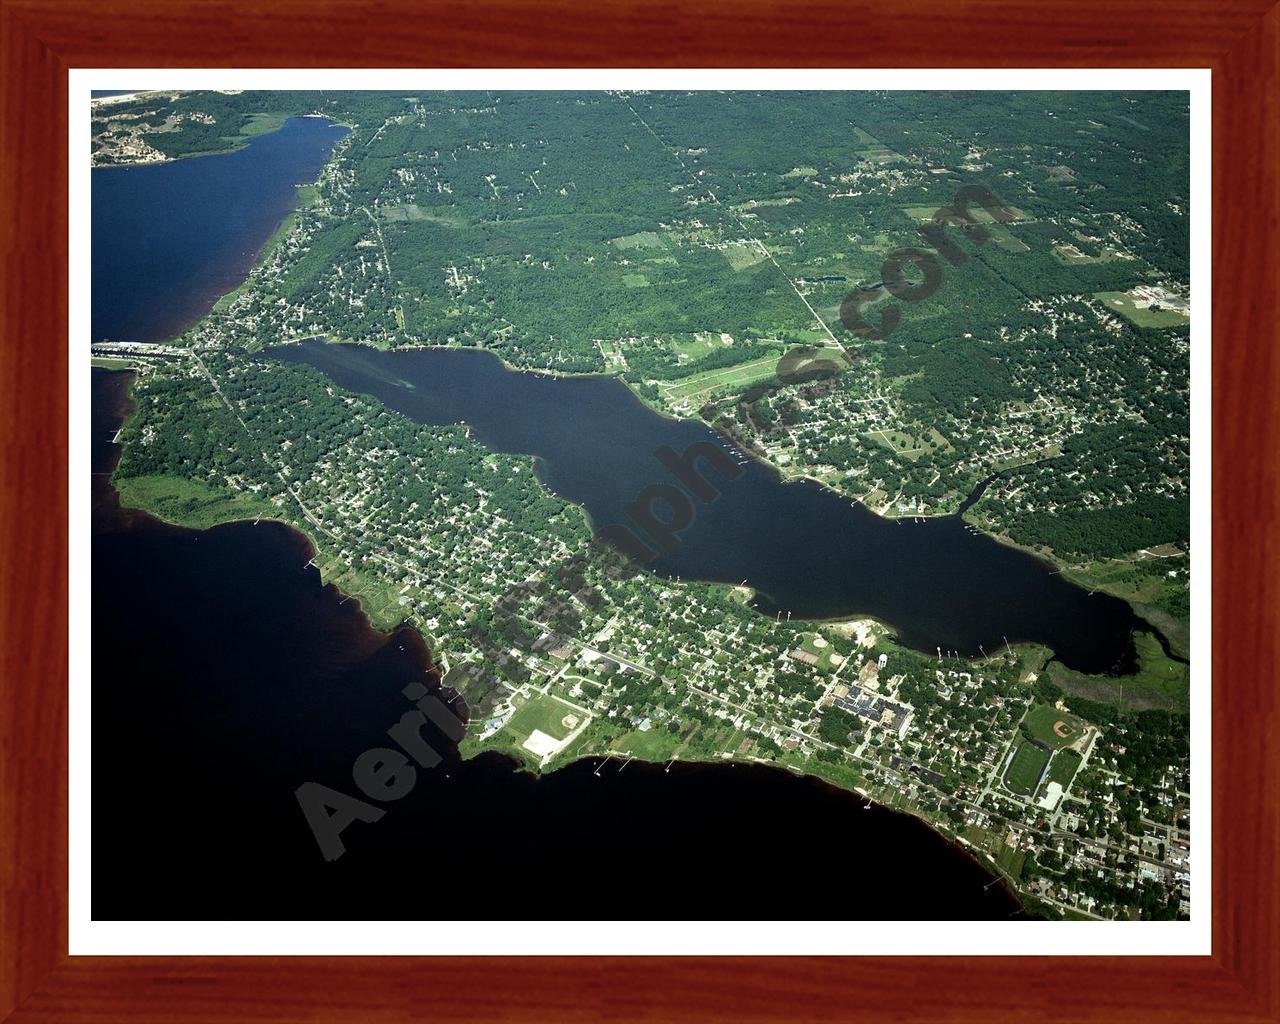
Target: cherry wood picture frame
41,39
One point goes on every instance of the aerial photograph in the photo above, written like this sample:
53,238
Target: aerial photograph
672,505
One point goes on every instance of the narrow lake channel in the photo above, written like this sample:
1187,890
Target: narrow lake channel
805,550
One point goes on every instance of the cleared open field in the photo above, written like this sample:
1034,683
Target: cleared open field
1000,234
692,347
640,240
413,212
1123,303
741,256
898,441
1070,252
1010,859
650,745
379,599
701,385
926,213
871,148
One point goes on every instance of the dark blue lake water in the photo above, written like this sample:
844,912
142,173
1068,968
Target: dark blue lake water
805,550
170,239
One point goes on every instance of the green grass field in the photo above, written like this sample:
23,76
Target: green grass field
1000,234
921,214
822,651
864,137
545,714
1010,859
1136,578
753,204
702,384
926,213
1071,253
640,240
656,744
871,148
741,256
1028,762
413,212
1040,721
190,502
1063,767
261,124
899,442
692,347
1006,239
1122,303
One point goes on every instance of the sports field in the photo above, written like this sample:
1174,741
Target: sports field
1049,725
829,659
547,715
1024,771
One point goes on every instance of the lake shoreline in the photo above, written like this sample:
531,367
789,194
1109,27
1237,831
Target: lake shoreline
1046,558
956,843
603,455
